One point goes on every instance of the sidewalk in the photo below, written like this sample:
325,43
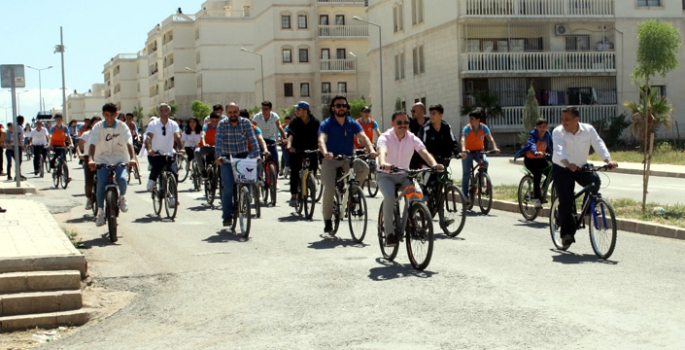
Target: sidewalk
32,240
663,170
10,187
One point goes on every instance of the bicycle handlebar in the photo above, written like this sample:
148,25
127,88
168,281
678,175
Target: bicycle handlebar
110,166
589,168
411,172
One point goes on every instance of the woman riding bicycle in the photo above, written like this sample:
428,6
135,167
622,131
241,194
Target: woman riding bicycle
537,153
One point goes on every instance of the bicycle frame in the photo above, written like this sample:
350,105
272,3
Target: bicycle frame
410,195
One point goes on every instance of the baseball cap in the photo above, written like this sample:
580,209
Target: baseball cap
366,109
303,105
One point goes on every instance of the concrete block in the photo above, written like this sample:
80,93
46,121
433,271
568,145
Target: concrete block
48,320
40,302
54,280
15,282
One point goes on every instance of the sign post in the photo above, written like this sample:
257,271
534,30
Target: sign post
13,77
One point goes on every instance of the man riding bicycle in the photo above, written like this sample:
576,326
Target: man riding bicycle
270,124
302,135
472,143
208,140
59,138
369,126
395,149
336,137
161,135
110,143
39,140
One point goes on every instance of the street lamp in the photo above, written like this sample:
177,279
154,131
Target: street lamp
6,108
201,83
41,107
261,66
19,101
380,52
356,71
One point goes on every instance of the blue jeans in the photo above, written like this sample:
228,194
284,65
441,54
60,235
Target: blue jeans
103,173
272,147
466,169
285,157
227,199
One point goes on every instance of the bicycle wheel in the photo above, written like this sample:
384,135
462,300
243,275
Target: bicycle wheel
485,193
64,171
46,163
171,196
210,186
157,196
389,253
319,189
197,178
183,168
265,188
419,236
111,213
255,197
473,189
41,166
357,214
244,214
55,178
309,198
29,153
93,196
300,199
371,184
271,173
337,210
526,195
451,211
602,227
555,226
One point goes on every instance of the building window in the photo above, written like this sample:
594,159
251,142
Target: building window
325,88
197,57
288,89
304,55
342,87
578,43
398,17
285,22
323,20
304,89
416,12
397,67
302,22
417,55
649,3
422,100
402,65
660,91
339,20
197,33
287,56
341,54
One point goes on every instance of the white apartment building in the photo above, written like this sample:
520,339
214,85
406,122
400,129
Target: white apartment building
121,81
86,105
574,52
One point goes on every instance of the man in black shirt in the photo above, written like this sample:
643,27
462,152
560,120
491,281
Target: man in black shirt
417,121
438,137
303,134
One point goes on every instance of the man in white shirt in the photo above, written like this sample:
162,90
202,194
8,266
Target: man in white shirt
161,135
39,139
110,144
572,141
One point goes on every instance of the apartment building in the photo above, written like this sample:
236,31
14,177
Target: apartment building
121,81
308,48
573,52
86,105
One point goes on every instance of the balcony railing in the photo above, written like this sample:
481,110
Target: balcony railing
542,62
236,14
181,18
512,118
537,8
338,65
338,2
168,70
349,31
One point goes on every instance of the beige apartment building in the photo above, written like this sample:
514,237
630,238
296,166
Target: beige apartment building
86,105
574,52
121,81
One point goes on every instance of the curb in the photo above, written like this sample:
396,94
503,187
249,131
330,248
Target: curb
18,190
620,170
634,226
45,263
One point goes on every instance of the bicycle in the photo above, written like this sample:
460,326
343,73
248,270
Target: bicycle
195,176
213,181
111,199
370,182
446,200
414,224
526,192
182,165
165,189
348,190
480,185
306,187
41,161
596,208
28,151
61,173
135,170
241,201
270,182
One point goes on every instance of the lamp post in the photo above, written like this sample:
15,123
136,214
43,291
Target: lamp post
40,87
19,101
261,67
380,52
356,72
6,108
201,82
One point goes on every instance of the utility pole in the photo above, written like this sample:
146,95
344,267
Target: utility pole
60,48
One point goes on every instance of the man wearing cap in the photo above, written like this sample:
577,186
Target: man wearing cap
369,126
59,138
270,124
303,133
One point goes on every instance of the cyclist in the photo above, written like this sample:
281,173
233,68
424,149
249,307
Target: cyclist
39,139
285,154
59,137
162,133
207,140
395,149
534,155
232,138
244,113
270,123
73,134
110,143
572,141
130,122
302,135
369,126
82,150
218,109
191,138
472,142
336,137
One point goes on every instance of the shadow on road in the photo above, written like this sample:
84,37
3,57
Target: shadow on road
329,242
202,207
392,270
150,218
294,217
225,235
442,235
102,241
571,258
473,212
84,218
79,195
142,191
533,224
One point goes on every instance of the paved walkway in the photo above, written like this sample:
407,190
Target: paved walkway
31,239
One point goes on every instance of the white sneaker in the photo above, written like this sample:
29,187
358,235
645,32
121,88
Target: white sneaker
123,204
537,204
89,204
150,185
172,202
100,219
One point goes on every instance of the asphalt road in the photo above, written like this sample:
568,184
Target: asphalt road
499,285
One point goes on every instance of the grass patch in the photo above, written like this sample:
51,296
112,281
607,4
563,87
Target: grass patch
72,237
659,157
625,208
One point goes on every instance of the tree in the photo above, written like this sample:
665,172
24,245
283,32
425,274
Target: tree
138,115
356,107
531,113
657,53
174,109
488,103
200,109
286,111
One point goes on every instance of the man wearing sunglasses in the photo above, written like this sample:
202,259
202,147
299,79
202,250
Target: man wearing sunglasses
336,137
161,135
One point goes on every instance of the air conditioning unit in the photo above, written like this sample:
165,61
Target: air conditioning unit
561,29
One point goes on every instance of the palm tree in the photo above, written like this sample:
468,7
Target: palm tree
488,103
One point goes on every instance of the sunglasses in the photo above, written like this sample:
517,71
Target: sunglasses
163,130
400,123
341,105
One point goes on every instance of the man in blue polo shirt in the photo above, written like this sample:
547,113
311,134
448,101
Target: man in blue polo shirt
336,137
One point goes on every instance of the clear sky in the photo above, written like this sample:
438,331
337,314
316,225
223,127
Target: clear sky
94,32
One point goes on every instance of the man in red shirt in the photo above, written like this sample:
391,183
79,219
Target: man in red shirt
369,126
59,137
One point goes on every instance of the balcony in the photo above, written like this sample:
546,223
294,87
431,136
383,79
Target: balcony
343,2
235,14
539,62
168,70
512,118
177,18
507,9
349,31
347,65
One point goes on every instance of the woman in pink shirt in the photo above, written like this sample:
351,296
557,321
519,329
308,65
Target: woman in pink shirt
395,149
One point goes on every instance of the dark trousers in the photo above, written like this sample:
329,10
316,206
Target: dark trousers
59,152
535,166
9,153
90,178
296,165
158,164
272,147
564,182
190,153
38,150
